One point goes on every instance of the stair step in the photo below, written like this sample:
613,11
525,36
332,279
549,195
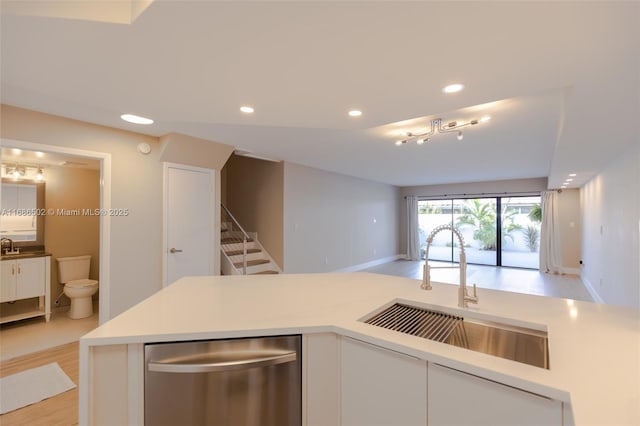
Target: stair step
265,273
237,252
234,240
251,263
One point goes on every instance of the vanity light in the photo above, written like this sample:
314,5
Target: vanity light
135,119
572,174
39,174
246,109
460,135
453,88
485,118
569,180
355,113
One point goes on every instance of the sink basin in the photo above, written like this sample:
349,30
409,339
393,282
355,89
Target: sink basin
520,344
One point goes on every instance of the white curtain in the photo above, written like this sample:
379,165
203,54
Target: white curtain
550,259
413,249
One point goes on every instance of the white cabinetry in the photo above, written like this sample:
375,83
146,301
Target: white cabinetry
382,387
457,398
23,279
321,379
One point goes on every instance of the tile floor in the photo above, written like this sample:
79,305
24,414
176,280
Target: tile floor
508,279
32,335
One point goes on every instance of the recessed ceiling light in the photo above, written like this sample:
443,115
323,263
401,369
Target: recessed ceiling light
453,88
572,174
355,113
136,119
246,109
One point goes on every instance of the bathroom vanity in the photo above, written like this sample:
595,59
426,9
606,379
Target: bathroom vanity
25,276
358,373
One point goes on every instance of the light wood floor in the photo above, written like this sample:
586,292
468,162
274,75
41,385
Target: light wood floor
61,409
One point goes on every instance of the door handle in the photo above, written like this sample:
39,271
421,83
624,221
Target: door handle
228,362
175,250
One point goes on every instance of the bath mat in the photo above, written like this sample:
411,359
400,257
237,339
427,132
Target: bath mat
31,386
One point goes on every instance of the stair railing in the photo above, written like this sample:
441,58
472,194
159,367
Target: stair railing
228,218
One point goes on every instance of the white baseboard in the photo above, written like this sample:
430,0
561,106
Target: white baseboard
571,271
372,263
592,291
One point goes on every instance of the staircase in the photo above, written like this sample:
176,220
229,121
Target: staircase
241,252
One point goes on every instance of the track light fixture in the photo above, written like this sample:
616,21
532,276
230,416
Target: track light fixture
438,127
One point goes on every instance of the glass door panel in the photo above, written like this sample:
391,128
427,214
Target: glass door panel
521,217
477,222
433,213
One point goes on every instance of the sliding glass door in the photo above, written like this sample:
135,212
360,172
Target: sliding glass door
479,229
510,238
521,219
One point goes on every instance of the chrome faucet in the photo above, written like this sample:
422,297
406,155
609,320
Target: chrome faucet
10,250
463,294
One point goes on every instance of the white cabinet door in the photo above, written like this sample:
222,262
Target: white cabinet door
382,387
8,270
31,278
321,379
459,399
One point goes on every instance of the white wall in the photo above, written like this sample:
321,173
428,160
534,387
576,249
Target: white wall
136,184
334,221
570,219
610,205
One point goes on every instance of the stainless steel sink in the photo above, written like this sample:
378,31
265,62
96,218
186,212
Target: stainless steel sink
519,344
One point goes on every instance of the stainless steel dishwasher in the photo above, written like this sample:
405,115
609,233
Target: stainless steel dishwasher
237,382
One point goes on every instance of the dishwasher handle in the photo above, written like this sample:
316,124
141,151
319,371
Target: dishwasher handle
212,363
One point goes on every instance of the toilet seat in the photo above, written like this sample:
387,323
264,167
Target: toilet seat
81,283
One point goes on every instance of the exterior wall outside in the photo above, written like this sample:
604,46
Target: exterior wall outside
610,204
254,193
64,236
136,184
333,221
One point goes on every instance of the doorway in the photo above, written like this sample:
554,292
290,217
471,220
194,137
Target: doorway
189,222
510,238
104,160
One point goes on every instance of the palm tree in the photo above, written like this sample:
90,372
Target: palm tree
535,215
482,216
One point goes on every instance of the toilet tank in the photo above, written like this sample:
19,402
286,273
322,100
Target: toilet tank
73,268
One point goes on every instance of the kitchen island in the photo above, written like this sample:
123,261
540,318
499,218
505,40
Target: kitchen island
594,349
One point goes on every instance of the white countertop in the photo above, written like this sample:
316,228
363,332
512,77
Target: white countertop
594,349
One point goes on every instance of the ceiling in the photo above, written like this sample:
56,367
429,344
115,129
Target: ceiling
560,80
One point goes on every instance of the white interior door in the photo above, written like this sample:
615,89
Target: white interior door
189,220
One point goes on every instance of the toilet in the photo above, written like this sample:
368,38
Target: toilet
73,272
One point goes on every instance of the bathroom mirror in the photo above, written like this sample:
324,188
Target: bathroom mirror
22,218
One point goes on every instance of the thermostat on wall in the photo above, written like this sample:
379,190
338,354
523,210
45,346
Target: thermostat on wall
144,148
